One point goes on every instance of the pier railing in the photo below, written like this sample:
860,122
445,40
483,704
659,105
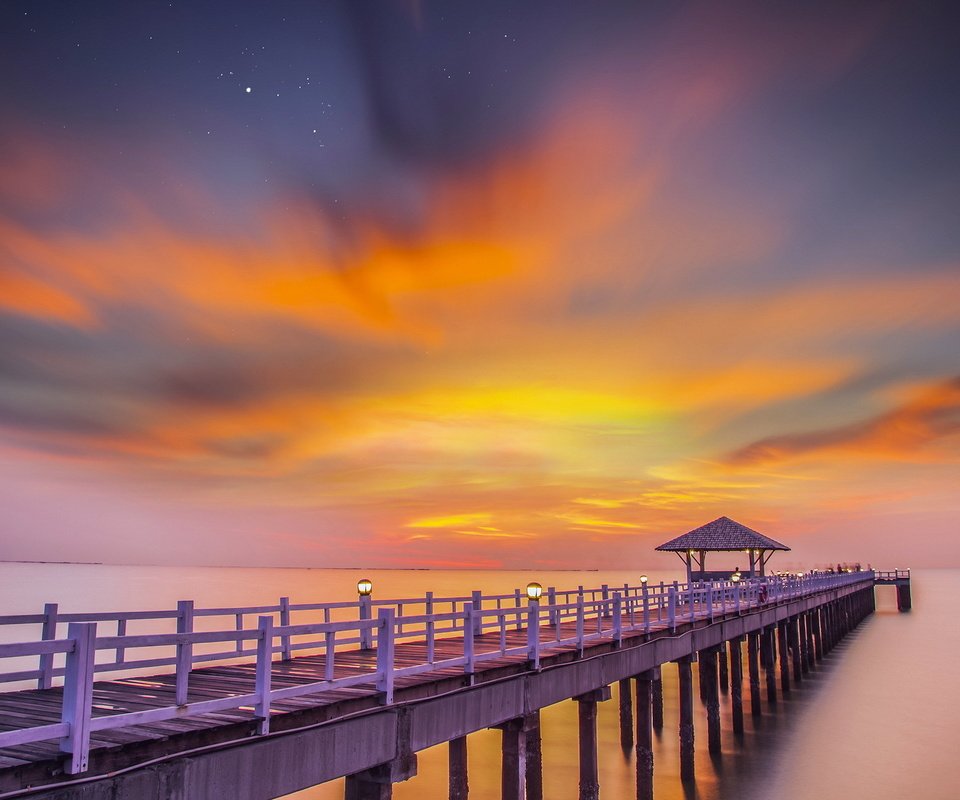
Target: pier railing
892,575
482,624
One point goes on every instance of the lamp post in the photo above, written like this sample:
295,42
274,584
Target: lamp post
364,590
646,603
534,591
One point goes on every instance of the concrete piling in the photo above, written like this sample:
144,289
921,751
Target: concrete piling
685,689
736,684
753,665
589,772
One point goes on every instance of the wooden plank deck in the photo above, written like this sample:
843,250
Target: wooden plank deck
38,707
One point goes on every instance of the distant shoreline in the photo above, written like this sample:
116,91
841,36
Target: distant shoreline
346,569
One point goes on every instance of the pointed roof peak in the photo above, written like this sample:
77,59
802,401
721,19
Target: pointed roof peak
723,533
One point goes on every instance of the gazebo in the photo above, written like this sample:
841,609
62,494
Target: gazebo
722,535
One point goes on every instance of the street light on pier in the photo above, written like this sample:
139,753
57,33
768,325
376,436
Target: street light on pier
364,589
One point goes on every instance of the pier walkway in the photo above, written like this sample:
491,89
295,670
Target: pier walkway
222,707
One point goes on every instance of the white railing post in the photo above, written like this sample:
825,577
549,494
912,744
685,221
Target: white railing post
366,613
431,626
709,601
477,600
646,609
617,618
605,594
285,652
468,649
552,601
580,620
692,598
45,681
385,654
672,609
533,633
516,600
78,695
184,650
736,598
264,673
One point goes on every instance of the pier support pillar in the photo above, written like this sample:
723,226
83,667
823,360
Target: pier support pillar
767,649
753,665
513,759
904,601
793,636
377,783
817,639
626,715
807,642
710,688
658,702
457,760
702,678
534,771
685,681
589,773
784,648
736,684
723,671
645,682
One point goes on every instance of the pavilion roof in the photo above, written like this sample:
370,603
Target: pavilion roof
723,534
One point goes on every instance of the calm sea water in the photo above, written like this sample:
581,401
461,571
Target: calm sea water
878,719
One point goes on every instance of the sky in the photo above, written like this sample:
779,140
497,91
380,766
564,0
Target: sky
444,284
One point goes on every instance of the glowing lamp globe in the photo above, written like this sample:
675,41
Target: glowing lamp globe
364,587
644,579
534,590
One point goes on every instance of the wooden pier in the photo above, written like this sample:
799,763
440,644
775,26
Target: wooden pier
224,708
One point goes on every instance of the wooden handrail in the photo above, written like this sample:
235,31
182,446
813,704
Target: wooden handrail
606,615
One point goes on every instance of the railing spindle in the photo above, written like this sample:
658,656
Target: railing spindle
285,652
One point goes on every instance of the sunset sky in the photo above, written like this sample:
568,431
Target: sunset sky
491,284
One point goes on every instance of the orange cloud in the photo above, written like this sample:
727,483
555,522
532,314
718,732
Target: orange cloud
925,429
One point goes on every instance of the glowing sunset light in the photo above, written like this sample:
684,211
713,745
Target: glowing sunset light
637,272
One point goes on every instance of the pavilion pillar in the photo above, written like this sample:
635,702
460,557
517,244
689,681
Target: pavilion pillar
736,683
753,664
685,690
625,697
457,761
